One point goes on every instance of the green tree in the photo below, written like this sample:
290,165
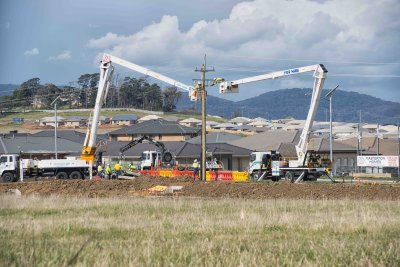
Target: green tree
26,91
45,95
171,96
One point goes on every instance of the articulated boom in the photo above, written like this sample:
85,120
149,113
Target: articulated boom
106,72
320,76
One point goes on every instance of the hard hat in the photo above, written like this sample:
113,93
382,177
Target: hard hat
195,160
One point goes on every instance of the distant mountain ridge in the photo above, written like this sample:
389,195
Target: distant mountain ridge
295,103
7,89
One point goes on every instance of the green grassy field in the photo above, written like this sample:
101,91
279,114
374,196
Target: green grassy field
38,231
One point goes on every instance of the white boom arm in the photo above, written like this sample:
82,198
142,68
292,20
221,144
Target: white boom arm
109,58
106,71
320,76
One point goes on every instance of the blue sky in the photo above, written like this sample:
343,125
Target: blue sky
58,41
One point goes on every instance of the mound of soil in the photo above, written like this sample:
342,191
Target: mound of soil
216,189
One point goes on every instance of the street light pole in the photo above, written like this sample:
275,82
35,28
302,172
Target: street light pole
55,125
329,95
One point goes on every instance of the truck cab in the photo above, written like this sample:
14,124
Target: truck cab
261,162
150,159
9,167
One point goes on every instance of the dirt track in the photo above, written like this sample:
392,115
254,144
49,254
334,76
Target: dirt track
140,186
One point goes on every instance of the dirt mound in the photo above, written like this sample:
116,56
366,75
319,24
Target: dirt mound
218,189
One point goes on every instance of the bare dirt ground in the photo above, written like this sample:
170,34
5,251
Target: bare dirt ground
217,189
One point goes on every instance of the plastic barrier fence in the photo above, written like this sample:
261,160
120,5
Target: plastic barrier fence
210,175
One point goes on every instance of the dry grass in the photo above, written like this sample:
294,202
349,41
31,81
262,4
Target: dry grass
180,232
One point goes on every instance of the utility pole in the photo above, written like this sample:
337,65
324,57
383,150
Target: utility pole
203,93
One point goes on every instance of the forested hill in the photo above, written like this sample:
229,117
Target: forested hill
295,103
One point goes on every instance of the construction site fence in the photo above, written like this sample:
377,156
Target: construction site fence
210,175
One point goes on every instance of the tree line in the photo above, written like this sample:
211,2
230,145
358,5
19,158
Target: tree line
125,93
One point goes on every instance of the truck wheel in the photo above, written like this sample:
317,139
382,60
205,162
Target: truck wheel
75,175
289,176
276,178
8,177
167,157
62,175
254,176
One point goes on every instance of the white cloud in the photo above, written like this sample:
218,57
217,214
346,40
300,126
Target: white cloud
63,56
272,34
32,52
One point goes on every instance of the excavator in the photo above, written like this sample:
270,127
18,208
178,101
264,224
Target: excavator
151,159
106,72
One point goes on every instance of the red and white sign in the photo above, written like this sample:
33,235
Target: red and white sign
378,161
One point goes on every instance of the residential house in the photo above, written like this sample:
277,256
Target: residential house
240,121
232,157
38,147
149,117
124,119
102,120
75,121
158,129
51,121
190,122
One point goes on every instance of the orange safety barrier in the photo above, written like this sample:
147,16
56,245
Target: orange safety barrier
155,173
225,176
166,173
240,176
145,172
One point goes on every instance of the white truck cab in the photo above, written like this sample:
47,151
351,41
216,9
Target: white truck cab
9,167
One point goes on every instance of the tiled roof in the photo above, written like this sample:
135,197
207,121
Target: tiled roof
152,127
38,145
125,117
217,137
266,141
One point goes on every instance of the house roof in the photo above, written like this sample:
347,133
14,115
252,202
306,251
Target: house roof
216,137
224,125
387,147
125,117
240,120
265,141
76,118
190,120
149,117
152,127
209,123
52,119
180,149
259,123
171,118
71,135
38,145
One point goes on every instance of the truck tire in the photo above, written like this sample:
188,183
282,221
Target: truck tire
254,176
75,175
62,175
167,157
8,177
276,178
289,176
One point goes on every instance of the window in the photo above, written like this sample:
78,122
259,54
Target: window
3,159
351,162
344,164
10,159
